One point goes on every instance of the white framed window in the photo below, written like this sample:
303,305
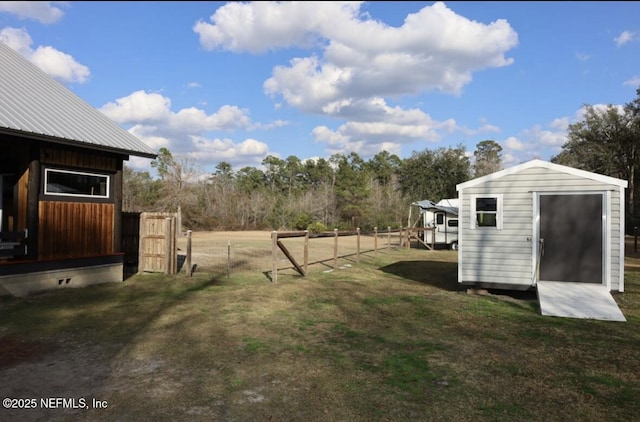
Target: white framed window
486,211
76,183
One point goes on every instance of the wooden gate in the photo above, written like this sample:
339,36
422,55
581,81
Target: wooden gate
158,249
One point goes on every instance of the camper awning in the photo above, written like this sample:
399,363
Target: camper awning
426,205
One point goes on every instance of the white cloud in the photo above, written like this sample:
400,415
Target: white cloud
374,126
633,81
625,37
248,152
140,106
539,141
184,132
227,118
60,65
139,163
361,58
147,134
257,27
509,160
269,126
434,49
581,113
41,11
560,124
356,62
338,142
543,137
513,143
483,128
154,110
55,63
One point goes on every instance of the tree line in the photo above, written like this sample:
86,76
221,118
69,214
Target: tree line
607,141
344,191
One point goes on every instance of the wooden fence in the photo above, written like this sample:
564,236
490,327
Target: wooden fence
416,233
149,241
302,268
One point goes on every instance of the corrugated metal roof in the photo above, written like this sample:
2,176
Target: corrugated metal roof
34,103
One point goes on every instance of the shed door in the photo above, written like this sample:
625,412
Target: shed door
572,229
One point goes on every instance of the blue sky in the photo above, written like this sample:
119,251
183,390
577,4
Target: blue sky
237,81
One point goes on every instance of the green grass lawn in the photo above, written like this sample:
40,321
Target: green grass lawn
391,338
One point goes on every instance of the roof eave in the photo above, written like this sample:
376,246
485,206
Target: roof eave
71,142
544,164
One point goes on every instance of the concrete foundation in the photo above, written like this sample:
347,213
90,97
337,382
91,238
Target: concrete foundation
22,285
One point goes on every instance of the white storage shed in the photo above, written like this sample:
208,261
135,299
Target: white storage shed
540,221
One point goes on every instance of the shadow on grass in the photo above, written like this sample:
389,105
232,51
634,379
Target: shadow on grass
444,275
440,274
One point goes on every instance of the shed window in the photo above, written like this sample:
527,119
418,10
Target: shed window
452,223
74,183
486,211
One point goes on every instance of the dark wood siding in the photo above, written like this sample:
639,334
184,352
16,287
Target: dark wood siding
79,159
75,229
20,198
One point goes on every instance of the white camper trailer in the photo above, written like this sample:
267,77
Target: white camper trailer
442,217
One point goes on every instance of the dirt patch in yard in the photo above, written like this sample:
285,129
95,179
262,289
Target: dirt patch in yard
16,349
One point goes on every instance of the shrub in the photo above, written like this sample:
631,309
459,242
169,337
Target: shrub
316,227
302,221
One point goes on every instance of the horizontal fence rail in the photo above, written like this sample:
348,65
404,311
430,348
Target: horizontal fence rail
251,254
343,251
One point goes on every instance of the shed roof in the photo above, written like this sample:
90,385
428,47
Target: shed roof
547,165
33,103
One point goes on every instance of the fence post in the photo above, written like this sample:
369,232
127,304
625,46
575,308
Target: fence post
358,244
389,237
408,238
228,259
169,241
179,221
433,239
335,248
375,241
274,252
188,253
306,252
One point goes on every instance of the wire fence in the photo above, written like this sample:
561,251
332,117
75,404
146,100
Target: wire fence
250,254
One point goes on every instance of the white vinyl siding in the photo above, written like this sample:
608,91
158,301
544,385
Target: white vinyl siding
506,256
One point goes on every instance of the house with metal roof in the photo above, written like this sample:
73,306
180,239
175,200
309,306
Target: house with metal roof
61,165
